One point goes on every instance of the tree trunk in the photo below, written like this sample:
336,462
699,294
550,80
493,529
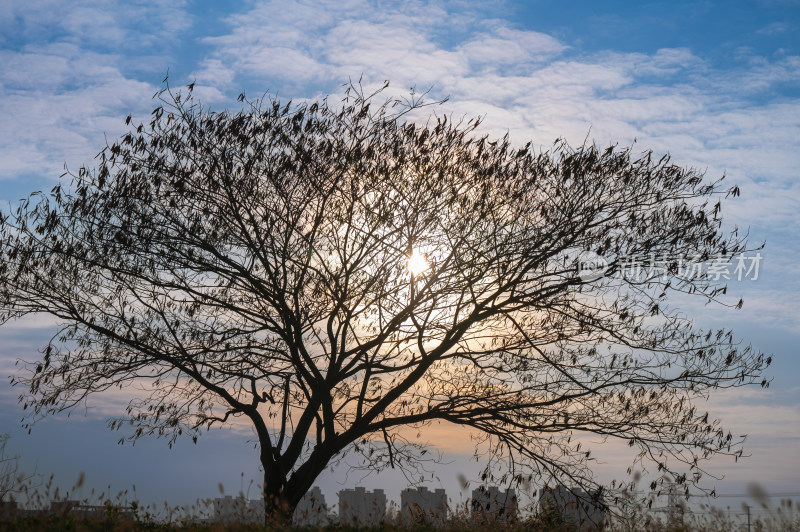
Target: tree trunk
278,508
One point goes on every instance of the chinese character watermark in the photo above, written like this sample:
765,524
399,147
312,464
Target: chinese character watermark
592,266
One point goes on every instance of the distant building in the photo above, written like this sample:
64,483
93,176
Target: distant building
89,511
423,506
572,507
238,509
360,507
11,510
491,504
311,510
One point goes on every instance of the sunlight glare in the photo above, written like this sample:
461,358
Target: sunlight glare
417,263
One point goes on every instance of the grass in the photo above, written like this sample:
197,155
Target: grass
783,518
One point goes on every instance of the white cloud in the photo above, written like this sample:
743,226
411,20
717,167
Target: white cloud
56,104
118,24
64,83
506,47
214,72
774,28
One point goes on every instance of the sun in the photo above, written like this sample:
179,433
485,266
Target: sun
417,264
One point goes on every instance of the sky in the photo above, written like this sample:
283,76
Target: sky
714,84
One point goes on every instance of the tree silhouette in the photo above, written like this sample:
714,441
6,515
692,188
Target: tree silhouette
337,273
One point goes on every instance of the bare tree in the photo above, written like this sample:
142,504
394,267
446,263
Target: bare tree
338,274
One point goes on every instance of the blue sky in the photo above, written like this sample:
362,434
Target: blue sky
716,84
